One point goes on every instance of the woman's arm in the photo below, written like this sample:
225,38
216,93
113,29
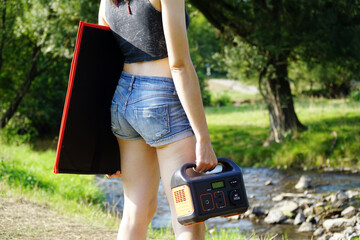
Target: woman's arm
186,80
101,16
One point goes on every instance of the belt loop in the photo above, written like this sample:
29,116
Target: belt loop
132,82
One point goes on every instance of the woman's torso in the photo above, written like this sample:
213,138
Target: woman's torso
158,67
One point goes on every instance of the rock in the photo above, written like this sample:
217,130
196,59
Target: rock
352,193
275,216
300,218
320,204
252,216
304,203
312,219
234,218
212,231
286,206
288,221
336,225
308,211
348,212
325,237
340,196
349,231
278,198
338,236
303,183
357,226
318,232
269,182
331,198
258,211
306,227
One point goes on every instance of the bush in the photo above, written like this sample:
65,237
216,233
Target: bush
18,130
221,100
355,95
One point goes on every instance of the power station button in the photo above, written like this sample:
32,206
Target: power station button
235,197
233,182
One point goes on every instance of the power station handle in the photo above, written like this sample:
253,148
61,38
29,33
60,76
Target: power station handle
228,165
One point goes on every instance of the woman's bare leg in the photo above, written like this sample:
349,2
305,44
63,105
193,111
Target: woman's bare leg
140,176
170,158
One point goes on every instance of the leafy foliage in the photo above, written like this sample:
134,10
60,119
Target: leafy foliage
38,46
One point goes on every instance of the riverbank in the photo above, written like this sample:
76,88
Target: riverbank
37,204
283,202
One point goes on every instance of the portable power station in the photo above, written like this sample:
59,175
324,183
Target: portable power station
199,196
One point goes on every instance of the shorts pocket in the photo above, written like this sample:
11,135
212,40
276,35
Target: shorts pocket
114,118
152,122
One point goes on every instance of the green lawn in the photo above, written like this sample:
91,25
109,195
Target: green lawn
332,139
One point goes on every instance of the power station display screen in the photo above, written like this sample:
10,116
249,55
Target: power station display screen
216,185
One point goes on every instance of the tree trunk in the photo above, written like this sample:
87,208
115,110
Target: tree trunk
24,88
278,97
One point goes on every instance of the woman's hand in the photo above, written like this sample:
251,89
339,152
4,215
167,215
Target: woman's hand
205,156
117,175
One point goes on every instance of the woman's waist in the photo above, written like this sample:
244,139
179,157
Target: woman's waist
130,81
157,68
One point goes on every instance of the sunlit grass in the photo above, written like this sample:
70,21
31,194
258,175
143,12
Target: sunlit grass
28,173
332,138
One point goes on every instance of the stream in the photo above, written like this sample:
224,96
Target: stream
258,194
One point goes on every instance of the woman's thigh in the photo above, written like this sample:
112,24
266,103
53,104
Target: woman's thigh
139,171
171,157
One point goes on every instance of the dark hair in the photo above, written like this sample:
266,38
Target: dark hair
115,1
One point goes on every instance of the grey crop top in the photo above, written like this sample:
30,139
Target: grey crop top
138,29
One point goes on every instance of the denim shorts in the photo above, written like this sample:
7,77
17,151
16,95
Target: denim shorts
148,107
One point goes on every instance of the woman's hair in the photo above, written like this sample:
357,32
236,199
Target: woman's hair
115,1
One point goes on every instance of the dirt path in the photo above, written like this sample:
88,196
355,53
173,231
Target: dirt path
20,219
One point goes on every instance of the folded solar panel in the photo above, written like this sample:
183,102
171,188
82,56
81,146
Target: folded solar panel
86,144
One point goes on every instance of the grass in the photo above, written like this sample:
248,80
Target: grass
332,139
28,173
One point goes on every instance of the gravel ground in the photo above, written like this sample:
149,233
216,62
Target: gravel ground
20,219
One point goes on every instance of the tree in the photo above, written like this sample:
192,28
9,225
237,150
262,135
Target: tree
37,36
281,30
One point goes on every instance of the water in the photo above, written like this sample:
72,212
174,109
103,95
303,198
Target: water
258,193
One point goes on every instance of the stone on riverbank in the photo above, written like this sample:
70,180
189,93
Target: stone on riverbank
306,227
303,183
309,211
339,196
348,212
352,193
275,216
300,218
269,182
287,207
336,225
258,211
337,236
318,232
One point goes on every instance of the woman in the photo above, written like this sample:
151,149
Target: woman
157,112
